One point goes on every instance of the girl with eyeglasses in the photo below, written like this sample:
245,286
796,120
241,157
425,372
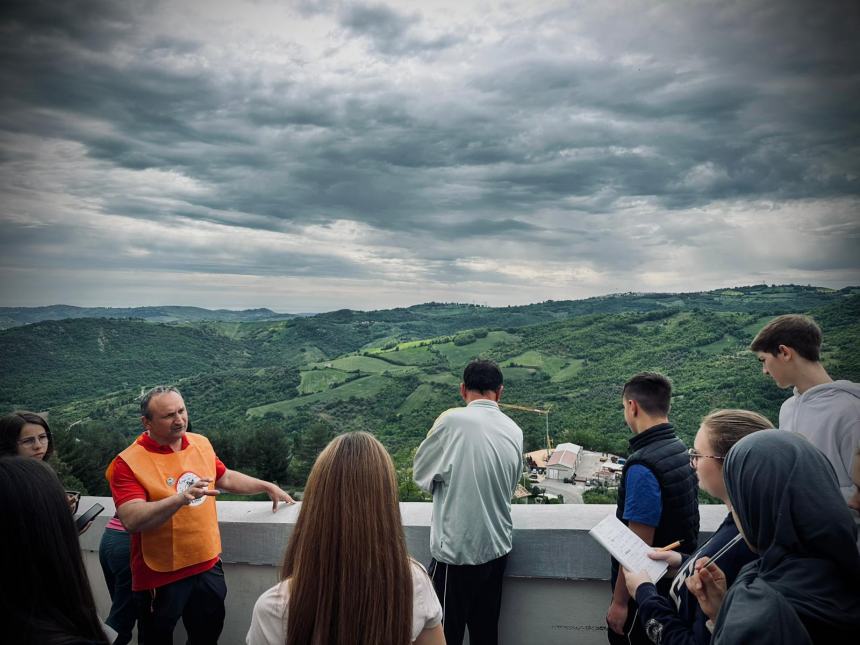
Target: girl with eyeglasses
679,618
25,434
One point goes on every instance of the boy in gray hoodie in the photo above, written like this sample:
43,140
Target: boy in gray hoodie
825,411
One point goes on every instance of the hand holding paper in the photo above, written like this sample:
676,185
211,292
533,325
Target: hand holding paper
671,558
627,547
632,580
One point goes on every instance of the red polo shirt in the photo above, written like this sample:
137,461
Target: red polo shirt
125,487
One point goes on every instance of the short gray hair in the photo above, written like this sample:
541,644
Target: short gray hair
146,398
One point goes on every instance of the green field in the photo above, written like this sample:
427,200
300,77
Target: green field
446,378
568,371
421,397
426,342
411,356
679,320
366,364
458,356
319,380
518,373
755,326
723,345
361,388
549,364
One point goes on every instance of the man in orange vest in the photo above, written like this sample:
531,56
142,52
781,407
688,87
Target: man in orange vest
161,486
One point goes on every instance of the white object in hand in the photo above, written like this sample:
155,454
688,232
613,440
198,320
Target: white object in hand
627,547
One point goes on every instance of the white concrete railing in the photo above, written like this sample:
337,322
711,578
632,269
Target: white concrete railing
556,588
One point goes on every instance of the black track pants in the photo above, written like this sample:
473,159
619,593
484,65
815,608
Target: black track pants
471,596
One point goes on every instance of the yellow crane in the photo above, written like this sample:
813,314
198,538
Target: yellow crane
545,412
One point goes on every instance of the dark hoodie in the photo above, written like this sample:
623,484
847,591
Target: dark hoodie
805,587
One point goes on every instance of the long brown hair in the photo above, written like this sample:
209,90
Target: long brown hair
350,578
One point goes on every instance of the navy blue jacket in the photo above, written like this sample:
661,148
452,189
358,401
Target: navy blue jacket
660,450
686,624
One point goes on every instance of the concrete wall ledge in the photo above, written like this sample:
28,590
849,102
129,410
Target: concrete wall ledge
556,590
550,541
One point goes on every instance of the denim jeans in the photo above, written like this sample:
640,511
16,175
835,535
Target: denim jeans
115,558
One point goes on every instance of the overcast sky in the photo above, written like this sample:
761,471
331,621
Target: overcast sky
313,155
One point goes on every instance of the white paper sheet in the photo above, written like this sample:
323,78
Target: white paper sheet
627,547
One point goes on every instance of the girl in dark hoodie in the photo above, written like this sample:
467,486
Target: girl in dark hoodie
804,586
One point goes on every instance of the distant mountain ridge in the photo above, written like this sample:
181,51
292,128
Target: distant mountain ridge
16,316
270,393
459,315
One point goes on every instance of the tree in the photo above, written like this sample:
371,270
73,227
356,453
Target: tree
306,447
268,451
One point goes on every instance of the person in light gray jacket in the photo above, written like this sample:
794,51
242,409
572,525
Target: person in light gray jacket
471,462
825,411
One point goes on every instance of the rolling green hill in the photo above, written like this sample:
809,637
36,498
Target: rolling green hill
289,385
15,316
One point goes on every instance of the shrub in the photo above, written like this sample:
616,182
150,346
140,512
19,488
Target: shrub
464,339
600,495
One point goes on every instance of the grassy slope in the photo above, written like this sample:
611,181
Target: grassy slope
317,380
410,355
365,364
459,355
361,388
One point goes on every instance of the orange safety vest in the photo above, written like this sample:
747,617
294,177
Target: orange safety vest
191,535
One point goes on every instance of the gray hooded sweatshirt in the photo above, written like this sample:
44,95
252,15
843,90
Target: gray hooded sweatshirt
829,416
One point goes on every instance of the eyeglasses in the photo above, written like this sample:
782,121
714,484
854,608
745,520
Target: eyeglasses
695,456
31,441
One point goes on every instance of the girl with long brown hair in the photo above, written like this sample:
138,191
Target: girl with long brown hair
347,576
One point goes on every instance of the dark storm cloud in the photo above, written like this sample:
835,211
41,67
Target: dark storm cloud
558,134
153,109
390,31
92,24
68,247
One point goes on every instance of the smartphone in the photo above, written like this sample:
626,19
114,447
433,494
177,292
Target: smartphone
88,516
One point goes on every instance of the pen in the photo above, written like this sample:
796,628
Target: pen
669,547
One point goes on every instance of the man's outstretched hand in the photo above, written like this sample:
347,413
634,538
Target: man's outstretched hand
277,495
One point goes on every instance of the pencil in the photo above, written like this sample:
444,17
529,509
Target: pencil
669,547
728,546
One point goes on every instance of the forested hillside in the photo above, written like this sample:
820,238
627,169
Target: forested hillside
270,394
